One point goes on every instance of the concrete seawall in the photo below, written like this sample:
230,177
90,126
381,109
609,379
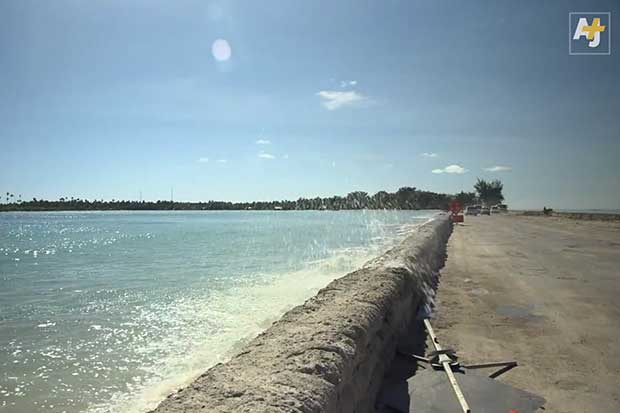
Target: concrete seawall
329,354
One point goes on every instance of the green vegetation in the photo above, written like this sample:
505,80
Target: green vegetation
489,192
404,198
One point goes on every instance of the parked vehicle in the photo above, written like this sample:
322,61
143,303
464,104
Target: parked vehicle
472,210
499,209
485,211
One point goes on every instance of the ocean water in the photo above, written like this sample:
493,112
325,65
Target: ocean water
111,311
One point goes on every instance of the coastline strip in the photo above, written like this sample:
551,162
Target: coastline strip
587,216
329,354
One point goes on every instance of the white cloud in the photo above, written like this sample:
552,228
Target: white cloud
333,164
334,99
222,160
498,168
345,83
429,154
450,169
285,156
203,160
265,155
263,142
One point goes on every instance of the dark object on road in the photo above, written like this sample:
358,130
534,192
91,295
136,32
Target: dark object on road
429,392
547,211
459,389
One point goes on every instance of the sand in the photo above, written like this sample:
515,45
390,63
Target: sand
544,291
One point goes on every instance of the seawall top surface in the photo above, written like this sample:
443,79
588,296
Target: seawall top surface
326,354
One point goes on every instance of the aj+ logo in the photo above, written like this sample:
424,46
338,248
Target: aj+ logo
590,33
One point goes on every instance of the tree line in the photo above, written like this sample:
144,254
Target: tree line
405,198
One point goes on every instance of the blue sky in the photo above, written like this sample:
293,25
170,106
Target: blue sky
104,99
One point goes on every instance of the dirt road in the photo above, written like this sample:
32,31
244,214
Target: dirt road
544,291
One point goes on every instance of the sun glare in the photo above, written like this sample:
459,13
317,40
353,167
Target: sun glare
221,50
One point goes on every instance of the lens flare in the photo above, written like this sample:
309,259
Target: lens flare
221,50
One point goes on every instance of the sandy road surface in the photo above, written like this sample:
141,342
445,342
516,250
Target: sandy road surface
544,291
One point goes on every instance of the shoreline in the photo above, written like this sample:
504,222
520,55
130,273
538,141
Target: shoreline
227,321
590,215
212,210
330,353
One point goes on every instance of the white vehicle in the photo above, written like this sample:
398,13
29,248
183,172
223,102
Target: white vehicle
472,210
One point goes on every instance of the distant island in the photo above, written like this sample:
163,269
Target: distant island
404,198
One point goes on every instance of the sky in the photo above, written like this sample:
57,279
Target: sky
265,100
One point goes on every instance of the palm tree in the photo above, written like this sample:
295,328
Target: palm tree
406,197
466,198
489,192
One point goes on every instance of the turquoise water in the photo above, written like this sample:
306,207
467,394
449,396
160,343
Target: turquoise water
110,311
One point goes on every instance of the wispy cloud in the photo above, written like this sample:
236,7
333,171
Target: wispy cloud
498,168
285,156
345,83
429,154
203,160
450,169
265,155
222,161
263,142
335,99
